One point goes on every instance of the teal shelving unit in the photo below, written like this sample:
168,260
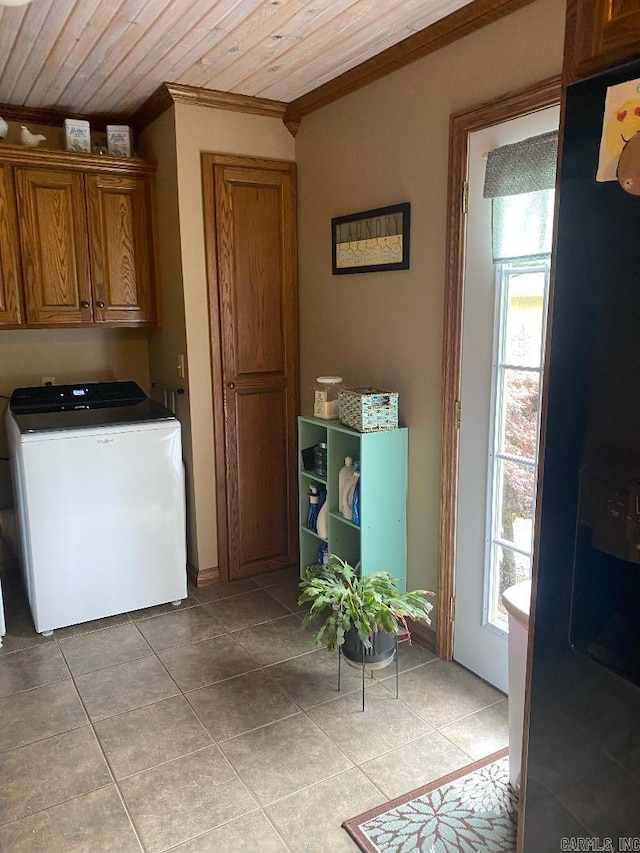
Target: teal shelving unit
380,542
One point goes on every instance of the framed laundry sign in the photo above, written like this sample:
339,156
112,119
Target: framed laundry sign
371,241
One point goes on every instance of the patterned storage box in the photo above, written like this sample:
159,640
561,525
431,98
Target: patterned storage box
368,409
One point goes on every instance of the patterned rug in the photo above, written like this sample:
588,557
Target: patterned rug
471,810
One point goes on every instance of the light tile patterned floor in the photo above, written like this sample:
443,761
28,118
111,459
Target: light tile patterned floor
216,726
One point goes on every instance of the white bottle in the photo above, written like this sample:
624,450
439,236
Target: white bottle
347,494
343,475
321,521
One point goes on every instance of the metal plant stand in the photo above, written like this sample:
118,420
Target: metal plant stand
400,637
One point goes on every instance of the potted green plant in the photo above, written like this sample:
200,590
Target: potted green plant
359,615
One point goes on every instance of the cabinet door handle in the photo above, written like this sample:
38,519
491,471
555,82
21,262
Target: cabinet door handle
101,304
231,385
84,304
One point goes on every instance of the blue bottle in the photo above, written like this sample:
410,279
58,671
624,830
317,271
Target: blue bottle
314,508
323,510
355,506
349,489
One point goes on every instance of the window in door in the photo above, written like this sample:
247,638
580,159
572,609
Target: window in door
519,180
521,303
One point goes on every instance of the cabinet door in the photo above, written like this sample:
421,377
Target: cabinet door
599,35
121,239
53,237
10,301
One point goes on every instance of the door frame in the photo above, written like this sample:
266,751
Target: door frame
547,93
208,162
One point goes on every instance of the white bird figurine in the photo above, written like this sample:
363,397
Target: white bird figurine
4,128
30,139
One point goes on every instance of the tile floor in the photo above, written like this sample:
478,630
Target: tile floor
216,726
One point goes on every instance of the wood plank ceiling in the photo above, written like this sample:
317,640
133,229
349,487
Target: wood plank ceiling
109,56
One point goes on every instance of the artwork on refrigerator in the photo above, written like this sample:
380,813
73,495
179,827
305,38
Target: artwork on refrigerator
620,124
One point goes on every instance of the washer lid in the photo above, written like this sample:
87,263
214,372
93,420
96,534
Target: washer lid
46,408
82,395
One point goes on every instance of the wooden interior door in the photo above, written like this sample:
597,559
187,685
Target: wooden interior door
10,302
122,263
55,253
251,247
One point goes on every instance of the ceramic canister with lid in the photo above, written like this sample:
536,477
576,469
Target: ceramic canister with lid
325,403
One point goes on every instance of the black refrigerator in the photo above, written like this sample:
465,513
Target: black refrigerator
582,789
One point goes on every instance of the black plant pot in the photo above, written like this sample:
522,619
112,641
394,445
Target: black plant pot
378,656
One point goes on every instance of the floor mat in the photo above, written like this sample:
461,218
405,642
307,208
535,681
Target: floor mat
471,810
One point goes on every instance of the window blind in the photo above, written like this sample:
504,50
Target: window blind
520,181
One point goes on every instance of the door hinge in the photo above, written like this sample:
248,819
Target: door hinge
452,608
457,414
465,197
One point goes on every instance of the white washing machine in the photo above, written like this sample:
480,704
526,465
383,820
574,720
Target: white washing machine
99,487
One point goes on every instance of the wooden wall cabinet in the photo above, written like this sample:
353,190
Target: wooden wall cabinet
599,35
86,233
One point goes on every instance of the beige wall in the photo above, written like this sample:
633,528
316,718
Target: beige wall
199,129
384,144
72,355
166,343
158,142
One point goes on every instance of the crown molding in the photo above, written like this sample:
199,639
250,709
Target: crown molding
464,21
175,93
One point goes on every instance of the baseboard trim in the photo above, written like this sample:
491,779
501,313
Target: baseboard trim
203,577
423,634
